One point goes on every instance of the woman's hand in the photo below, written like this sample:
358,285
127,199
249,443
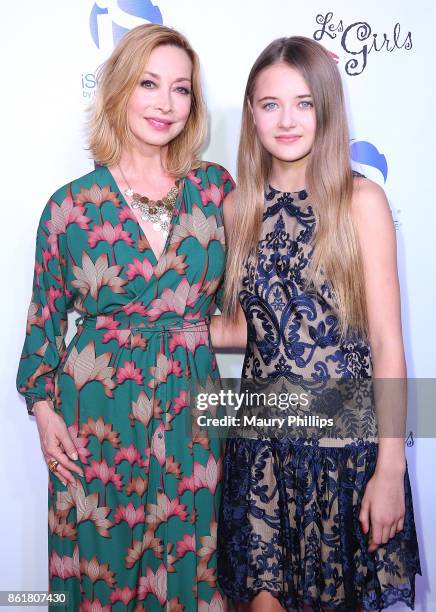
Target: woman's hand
383,506
56,442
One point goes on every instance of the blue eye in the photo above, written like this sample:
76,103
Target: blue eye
269,106
147,84
306,104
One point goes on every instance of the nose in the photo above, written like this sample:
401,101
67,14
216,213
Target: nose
163,101
287,118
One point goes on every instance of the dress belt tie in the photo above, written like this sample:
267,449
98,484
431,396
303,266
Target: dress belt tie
183,326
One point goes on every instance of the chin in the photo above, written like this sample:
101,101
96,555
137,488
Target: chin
155,140
287,155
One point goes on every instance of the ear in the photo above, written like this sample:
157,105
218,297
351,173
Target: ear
251,109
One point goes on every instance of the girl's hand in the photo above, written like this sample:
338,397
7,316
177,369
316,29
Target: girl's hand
383,507
56,442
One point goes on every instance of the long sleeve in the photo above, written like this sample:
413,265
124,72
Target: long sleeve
227,184
46,326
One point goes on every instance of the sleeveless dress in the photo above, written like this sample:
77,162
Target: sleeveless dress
289,516
138,532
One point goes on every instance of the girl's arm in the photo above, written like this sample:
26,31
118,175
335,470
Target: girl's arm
383,502
229,334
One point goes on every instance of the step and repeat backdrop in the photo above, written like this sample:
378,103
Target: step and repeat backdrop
50,52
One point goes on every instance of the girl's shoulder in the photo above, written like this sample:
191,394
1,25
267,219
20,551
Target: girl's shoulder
369,204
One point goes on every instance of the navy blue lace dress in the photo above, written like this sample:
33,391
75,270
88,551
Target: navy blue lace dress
289,514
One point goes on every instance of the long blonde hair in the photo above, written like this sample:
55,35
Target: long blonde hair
329,182
118,76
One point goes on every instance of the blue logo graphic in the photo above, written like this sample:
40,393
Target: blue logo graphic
111,19
364,152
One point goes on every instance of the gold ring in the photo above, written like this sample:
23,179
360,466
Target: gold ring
53,464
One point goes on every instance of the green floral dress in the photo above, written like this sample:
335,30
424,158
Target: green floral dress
139,530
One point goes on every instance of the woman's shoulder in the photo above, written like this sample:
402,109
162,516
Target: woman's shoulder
97,178
91,186
213,172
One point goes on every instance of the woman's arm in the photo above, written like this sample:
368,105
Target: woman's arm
383,502
229,334
44,344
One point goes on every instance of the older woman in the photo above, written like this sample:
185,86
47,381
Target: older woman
137,247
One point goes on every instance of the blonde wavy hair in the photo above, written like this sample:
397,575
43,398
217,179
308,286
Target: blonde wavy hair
118,76
329,183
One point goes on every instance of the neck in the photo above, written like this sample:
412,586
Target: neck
289,176
142,163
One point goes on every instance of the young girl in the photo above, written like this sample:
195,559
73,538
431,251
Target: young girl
312,258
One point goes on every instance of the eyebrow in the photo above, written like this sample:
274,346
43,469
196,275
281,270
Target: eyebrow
273,98
156,76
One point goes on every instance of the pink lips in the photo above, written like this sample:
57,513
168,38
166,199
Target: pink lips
287,139
159,124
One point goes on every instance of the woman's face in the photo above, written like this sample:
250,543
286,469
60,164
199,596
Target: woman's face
160,104
283,112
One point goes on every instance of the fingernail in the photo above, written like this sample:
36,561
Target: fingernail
74,456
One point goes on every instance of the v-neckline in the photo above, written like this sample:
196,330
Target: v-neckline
140,230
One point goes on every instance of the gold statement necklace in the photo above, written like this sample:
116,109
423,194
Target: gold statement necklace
159,212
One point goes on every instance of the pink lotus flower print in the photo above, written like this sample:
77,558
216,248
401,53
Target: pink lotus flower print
129,372
97,571
142,409
170,261
171,301
96,195
130,514
139,268
120,335
63,215
189,340
90,278
101,430
125,595
164,510
101,470
108,233
196,224
64,566
186,545
129,454
135,307
202,477
181,401
106,322
163,368
155,583
216,604
212,194
85,366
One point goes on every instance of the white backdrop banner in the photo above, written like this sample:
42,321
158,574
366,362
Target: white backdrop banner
50,52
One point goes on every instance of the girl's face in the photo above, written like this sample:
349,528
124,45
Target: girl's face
283,112
159,106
